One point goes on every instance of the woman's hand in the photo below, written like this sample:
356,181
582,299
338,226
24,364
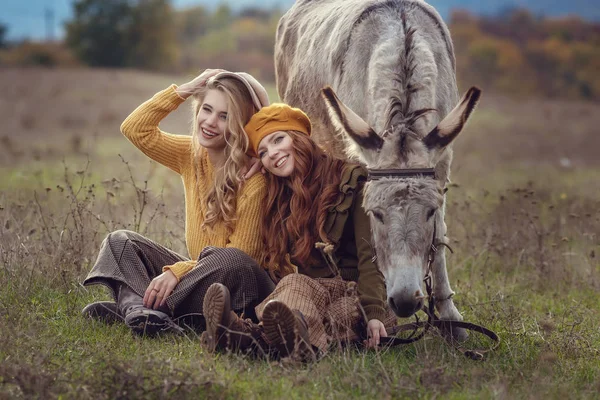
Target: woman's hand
191,87
375,331
252,168
159,289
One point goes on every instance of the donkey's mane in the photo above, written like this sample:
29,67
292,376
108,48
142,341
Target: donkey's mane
327,42
391,4
399,114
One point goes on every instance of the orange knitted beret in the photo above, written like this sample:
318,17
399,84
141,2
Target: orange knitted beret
273,118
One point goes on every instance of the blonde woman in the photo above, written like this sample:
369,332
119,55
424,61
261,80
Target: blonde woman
151,284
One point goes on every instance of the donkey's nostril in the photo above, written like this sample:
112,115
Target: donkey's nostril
418,294
419,304
404,308
392,304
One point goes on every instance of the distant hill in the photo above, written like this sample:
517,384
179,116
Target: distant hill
28,20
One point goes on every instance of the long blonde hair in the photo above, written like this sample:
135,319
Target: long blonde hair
221,197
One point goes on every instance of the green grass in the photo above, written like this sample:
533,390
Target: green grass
550,341
550,347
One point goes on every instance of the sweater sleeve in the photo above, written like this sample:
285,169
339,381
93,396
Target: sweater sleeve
141,128
179,269
250,210
371,285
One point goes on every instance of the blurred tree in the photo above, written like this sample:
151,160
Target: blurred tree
522,25
465,29
254,35
3,30
48,54
513,52
221,18
123,33
519,53
152,35
217,42
192,23
255,13
483,54
98,33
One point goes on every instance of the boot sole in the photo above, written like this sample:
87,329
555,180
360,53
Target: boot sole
149,323
214,307
280,327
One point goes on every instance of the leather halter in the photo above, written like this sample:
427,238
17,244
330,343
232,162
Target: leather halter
377,174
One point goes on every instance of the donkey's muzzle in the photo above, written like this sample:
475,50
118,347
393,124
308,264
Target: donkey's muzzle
405,307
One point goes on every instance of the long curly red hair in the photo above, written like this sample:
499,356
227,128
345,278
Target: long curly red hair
297,207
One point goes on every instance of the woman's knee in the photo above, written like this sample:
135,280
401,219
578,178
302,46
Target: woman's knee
231,259
296,279
120,236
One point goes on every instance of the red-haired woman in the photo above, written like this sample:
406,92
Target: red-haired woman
317,243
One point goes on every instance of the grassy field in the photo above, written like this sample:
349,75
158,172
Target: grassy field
523,218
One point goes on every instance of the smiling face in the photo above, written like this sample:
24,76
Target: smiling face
276,152
212,120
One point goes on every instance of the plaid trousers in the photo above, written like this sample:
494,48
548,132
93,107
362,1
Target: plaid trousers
330,306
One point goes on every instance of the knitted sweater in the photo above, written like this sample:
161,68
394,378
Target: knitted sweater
175,152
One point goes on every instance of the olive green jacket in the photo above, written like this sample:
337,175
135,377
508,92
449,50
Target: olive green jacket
348,226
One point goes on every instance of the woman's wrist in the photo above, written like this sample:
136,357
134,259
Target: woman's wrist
183,91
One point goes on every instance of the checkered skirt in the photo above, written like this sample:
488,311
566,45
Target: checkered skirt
330,306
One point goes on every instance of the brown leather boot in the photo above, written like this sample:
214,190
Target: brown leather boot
225,330
287,330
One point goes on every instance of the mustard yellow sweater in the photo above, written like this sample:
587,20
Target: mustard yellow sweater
175,152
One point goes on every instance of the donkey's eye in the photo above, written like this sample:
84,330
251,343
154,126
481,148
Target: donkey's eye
378,215
431,213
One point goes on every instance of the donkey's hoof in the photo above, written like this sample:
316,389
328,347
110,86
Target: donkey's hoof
456,334
449,312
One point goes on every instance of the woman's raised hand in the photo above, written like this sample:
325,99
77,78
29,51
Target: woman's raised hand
191,87
251,168
159,289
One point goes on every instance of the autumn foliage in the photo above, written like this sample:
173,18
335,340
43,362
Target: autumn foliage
514,52
521,54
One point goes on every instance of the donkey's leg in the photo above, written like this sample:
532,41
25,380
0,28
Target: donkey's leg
442,290
441,285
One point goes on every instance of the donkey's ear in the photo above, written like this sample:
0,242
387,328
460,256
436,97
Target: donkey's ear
346,120
455,121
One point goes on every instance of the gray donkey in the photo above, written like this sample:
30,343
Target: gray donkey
392,63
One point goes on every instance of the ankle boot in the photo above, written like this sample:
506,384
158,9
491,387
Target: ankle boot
225,330
287,330
142,320
103,311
